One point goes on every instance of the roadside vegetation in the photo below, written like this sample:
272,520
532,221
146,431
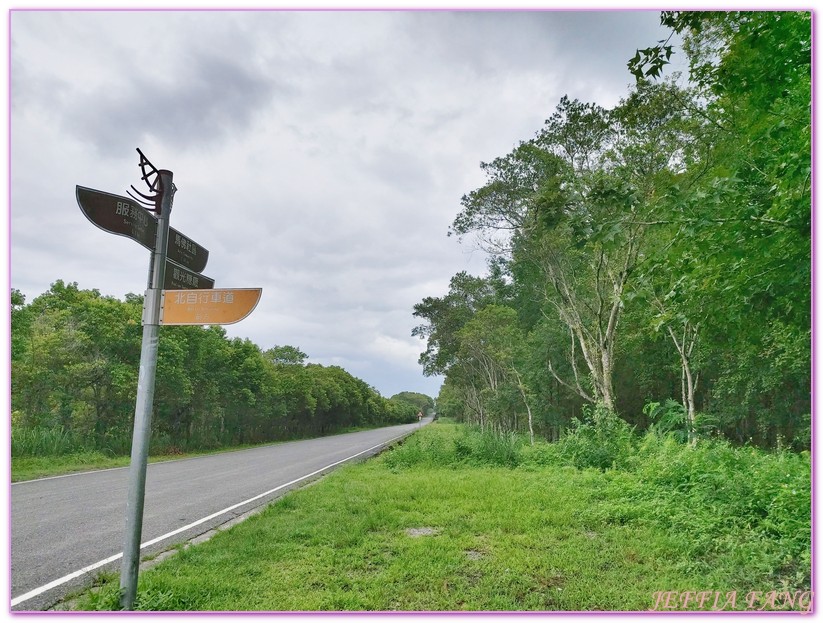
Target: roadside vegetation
652,257
457,519
629,382
75,357
28,466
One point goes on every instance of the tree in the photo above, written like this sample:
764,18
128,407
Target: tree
574,203
745,209
421,402
444,317
659,247
290,355
494,345
75,366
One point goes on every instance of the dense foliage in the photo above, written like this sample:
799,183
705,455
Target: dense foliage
741,517
652,259
420,401
459,519
75,357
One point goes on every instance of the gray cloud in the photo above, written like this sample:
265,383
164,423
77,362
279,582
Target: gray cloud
210,98
318,155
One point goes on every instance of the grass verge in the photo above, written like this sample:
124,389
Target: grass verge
32,467
432,526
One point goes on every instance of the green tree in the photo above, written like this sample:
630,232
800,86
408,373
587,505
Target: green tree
493,344
286,355
419,401
744,211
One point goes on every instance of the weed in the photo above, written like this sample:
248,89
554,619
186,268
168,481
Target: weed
509,527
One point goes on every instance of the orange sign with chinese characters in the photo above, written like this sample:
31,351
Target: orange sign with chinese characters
218,306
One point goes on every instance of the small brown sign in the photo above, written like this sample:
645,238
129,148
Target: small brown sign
118,215
178,278
185,251
197,307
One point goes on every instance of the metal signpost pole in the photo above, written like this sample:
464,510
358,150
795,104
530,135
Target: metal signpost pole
145,398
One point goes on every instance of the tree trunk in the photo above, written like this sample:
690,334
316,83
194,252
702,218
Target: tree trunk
688,382
525,402
690,411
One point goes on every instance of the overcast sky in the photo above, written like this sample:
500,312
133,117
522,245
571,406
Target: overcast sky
318,155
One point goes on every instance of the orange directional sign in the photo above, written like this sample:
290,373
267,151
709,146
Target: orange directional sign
218,306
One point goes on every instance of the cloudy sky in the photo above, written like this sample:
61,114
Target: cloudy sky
318,155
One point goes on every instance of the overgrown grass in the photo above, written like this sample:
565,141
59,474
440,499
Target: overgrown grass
39,441
454,519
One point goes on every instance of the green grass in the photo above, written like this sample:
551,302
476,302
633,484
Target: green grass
40,453
536,536
31,467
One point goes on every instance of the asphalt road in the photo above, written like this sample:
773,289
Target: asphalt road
67,524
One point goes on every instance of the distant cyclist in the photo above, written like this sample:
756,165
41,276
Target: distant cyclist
419,416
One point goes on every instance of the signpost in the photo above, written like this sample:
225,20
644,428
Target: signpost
145,399
176,295
222,306
179,278
118,215
124,217
186,251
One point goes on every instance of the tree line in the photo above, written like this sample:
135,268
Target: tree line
75,358
652,259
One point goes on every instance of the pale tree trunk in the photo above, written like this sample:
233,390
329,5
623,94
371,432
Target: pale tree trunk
522,389
685,346
592,323
606,389
474,403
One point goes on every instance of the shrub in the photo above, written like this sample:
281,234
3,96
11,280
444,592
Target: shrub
459,446
39,441
602,440
725,503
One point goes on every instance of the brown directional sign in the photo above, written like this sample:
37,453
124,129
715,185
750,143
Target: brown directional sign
218,306
185,251
122,216
118,215
179,278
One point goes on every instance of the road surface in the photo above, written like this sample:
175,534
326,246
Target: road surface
65,529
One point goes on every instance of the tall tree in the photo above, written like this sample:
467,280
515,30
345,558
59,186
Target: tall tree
744,210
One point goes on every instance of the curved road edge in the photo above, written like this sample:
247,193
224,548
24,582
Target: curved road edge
50,595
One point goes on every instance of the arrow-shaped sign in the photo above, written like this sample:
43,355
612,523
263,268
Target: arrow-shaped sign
122,216
118,215
218,306
179,278
185,251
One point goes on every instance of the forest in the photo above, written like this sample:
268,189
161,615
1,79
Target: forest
75,358
649,261
652,260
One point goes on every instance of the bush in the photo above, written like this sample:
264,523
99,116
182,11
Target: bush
602,440
39,441
740,515
541,454
723,503
459,446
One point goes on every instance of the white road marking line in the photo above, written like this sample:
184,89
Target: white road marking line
66,578
188,458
